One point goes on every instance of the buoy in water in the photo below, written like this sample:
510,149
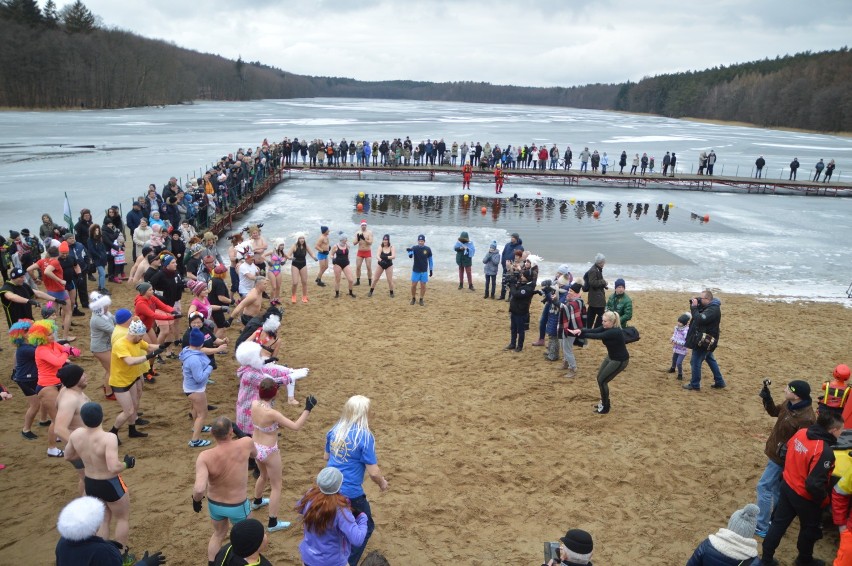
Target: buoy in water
572,201
360,207
671,205
596,214
466,197
484,210
706,218
361,194
539,193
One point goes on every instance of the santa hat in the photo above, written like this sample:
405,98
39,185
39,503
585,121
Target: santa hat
81,518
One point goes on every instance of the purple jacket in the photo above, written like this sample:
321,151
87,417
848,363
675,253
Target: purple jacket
332,547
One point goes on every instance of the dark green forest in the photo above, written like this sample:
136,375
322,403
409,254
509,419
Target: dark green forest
67,59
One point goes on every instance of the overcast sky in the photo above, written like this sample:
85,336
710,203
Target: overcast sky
521,42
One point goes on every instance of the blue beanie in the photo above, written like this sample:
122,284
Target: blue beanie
620,283
122,316
196,338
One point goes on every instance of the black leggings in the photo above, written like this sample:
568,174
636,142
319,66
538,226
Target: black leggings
606,373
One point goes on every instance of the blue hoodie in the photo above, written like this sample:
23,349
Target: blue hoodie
196,370
332,547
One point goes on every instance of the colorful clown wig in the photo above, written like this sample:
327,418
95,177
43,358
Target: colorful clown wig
18,331
41,332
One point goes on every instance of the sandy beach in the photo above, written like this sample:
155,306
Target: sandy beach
488,453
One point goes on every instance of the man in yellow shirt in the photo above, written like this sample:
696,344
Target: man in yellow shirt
128,361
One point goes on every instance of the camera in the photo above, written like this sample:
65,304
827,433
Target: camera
767,382
551,551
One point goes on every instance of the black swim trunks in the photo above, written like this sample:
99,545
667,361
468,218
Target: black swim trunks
29,387
110,490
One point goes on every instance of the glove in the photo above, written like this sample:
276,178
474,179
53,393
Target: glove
176,316
153,560
129,461
196,506
310,403
34,303
226,309
230,321
154,354
270,360
765,394
430,273
74,351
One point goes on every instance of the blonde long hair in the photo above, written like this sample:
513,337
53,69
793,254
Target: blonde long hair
353,417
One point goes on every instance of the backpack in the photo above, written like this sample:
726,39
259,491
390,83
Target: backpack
631,334
586,282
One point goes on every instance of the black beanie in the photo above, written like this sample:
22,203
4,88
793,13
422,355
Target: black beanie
92,414
70,375
578,541
246,537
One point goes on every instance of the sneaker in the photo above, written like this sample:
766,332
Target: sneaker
422,304
199,443
44,423
206,428
761,532
29,435
293,299
689,387
263,503
142,422
55,453
601,409
137,434
571,373
279,526
150,378
78,312
539,342
413,300
718,386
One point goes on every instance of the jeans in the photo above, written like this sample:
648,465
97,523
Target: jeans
101,277
768,489
695,363
490,280
361,505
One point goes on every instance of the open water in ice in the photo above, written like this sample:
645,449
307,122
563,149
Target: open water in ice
758,244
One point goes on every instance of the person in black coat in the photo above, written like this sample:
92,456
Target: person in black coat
703,337
617,357
519,309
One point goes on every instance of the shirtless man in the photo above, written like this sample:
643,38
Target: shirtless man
68,404
220,473
98,450
252,303
322,246
364,239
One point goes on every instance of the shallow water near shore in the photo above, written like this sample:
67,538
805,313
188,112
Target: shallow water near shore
756,244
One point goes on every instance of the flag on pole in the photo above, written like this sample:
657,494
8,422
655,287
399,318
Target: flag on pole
66,213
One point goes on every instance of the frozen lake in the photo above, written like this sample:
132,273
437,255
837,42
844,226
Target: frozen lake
758,244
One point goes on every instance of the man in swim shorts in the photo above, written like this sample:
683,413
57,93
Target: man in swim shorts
220,474
98,450
252,304
422,268
322,247
364,239
71,398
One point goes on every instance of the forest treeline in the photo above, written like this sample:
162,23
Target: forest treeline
65,59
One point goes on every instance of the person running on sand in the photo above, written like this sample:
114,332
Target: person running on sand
322,247
364,240
387,253
71,398
220,475
299,267
340,260
98,451
266,421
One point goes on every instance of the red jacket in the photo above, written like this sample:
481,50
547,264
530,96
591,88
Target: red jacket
810,462
147,307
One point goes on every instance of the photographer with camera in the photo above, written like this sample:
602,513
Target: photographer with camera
506,260
793,413
703,337
519,309
574,549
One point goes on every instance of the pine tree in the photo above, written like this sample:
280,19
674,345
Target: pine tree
51,17
21,11
78,19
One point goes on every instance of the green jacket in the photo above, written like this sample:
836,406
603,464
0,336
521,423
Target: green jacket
623,305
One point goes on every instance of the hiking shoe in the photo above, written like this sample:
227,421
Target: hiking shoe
689,387
263,503
199,443
137,434
413,300
422,304
320,283
601,409
461,286
29,435
279,526
718,386
78,312
671,370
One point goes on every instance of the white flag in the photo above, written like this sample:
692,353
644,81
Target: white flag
66,213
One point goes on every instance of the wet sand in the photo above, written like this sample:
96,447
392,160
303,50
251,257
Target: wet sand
488,453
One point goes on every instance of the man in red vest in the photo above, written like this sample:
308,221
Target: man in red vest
805,488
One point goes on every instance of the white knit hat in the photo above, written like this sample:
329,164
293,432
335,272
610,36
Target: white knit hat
81,518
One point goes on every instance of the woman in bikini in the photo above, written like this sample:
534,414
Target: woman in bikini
340,260
266,421
259,245
299,267
387,253
277,258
